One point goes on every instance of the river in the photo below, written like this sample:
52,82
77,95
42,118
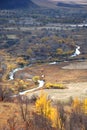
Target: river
11,77
76,53
40,82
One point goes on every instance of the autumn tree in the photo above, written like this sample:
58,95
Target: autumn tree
59,51
76,105
35,79
5,93
78,115
84,106
44,107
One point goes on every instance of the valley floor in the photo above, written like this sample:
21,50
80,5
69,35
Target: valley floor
73,75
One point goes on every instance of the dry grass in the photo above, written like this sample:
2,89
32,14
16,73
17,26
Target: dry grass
7,110
55,74
74,79
10,111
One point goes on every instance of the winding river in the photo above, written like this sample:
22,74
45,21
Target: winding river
40,82
11,77
76,53
12,73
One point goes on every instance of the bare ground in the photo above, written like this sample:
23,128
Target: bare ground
72,75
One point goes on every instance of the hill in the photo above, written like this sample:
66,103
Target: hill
70,5
70,1
60,3
45,3
16,4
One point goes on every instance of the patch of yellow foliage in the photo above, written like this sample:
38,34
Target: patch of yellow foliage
76,104
36,78
80,105
84,106
56,86
44,107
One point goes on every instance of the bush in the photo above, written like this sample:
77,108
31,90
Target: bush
35,79
56,86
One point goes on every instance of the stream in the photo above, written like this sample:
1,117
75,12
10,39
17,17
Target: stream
76,53
40,82
11,77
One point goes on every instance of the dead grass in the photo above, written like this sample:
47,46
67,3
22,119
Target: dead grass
75,80
9,111
55,74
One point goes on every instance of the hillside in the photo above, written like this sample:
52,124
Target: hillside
60,3
70,1
16,4
45,3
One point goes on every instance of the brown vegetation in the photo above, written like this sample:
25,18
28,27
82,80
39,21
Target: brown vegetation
23,115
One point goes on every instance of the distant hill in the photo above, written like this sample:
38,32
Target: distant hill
60,3
45,3
72,5
70,1
15,4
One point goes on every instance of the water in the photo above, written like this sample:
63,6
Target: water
77,51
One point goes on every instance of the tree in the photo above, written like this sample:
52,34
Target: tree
5,93
84,106
76,105
59,51
35,79
44,107
25,112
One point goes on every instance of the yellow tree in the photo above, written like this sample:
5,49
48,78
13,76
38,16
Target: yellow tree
21,61
84,106
59,51
76,105
44,107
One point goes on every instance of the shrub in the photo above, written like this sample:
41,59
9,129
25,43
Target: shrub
35,79
56,86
